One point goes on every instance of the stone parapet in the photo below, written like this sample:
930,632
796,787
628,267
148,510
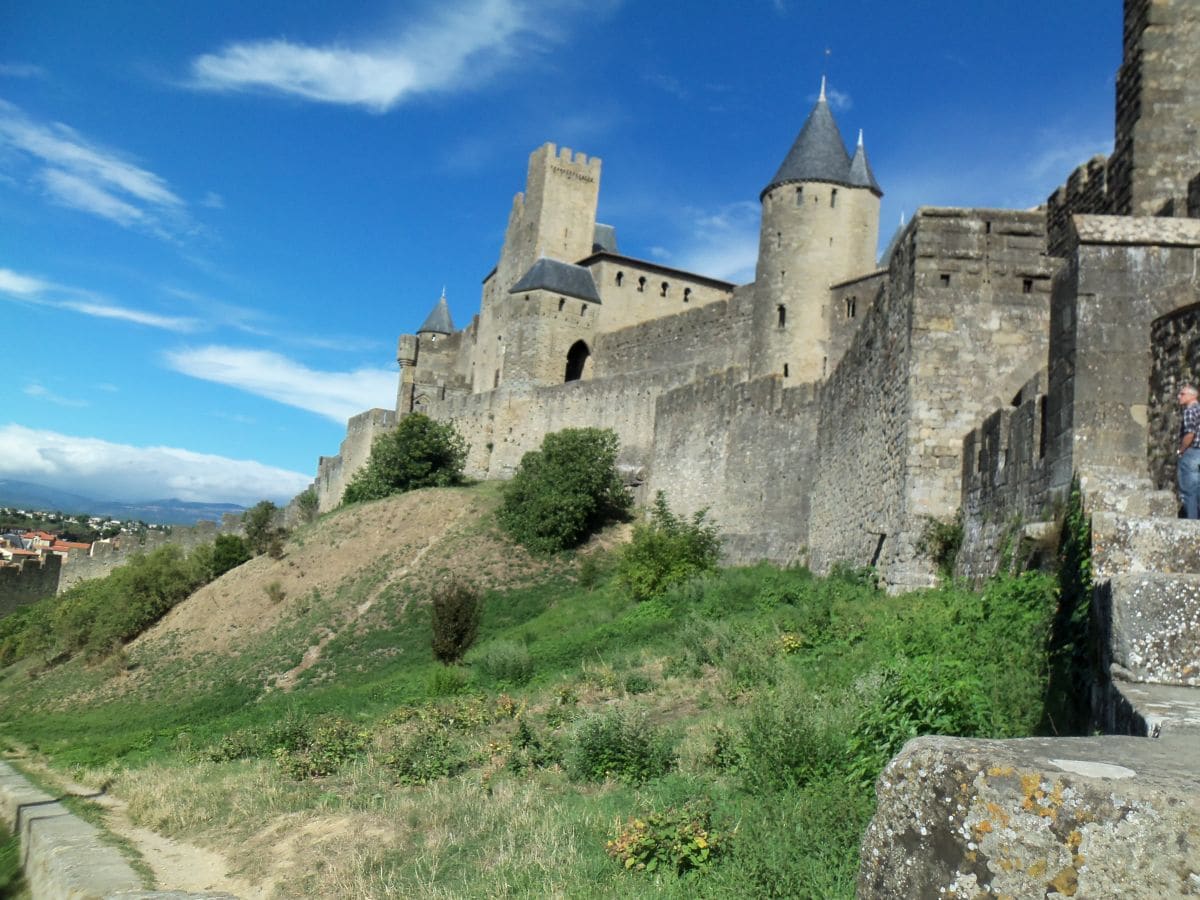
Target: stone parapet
1083,817
1149,627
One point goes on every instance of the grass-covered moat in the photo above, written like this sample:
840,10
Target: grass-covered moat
720,740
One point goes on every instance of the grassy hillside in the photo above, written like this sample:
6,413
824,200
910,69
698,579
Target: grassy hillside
720,741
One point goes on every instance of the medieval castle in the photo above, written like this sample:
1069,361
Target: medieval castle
827,409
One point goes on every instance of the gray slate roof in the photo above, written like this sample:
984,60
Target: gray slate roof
604,237
860,170
559,277
438,321
818,154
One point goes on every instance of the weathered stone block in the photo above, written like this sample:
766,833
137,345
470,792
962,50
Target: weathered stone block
1151,626
1083,817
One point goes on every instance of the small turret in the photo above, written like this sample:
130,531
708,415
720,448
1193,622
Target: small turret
860,169
438,321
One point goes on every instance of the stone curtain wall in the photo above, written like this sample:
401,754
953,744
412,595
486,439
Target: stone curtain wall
848,304
1125,274
1175,359
746,451
27,582
1086,191
334,472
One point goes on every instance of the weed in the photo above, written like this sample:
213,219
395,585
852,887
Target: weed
275,592
506,662
620,745
457,610
681,840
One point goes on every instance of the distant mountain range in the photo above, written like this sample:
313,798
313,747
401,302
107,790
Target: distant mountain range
27,495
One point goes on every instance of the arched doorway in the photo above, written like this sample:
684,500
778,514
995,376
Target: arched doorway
577,358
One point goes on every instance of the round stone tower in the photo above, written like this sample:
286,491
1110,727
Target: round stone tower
820,226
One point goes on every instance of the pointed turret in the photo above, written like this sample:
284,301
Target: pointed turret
818,154
860,169
438,321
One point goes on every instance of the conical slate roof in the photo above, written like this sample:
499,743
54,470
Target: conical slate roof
860,169
560,277
438,321
819,154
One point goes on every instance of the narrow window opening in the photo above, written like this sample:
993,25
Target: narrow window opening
833,198
642,283
1027,286
799,195
782,311
663,290
778,239
577,358
582,309
785,370
987,227
851,304
620,278
687,294
831,241
496,379
561,304
945,279
824,366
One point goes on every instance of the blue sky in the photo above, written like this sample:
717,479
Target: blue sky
216,218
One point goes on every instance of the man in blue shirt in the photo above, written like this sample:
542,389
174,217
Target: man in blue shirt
1188,452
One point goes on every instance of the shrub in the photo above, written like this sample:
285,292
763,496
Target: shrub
275,592
456,612
667,550
506,662
787,743
681,840
619,745
329,744
309,504
427,754
229,552
940,542
565,491
258,522
446,681
420,452
530,750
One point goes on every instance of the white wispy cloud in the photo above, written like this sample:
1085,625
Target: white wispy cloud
78,173
450,48
721,243
335,395
40,392
38,291
21,70
102,469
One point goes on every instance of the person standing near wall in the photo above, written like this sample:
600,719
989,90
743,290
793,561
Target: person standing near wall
1188,452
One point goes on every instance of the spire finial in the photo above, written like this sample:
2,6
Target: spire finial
443,292
901,218
860,140
821,99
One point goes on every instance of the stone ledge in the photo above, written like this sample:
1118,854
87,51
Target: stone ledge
63,856
1163,232
1039,817
1150,627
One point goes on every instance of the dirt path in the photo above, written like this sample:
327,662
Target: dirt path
177,865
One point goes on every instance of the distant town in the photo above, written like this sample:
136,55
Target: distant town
28,534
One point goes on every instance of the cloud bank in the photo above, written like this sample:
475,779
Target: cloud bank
335,395
443,52
104,470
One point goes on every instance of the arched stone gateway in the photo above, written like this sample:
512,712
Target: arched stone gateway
577,361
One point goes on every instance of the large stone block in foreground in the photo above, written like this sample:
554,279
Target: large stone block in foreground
1039,817
1151,627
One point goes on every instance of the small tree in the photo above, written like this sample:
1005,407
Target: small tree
229,552
456,614
667,550
419,453
565,491
259,524
308,504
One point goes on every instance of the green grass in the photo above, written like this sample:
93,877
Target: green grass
12,881
779,694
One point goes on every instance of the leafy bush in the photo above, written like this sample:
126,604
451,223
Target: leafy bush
620,745
940,542
565,491
259,524
419,453
229,552
446,681
456,613
788,742
329,744
426,755
681,840
506,662
530,750
309,504
667,550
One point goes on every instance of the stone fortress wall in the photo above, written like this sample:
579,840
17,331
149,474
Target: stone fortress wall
27,581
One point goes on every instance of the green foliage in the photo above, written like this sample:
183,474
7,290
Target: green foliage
275,592
1072,663
308,504
788,742
667,550
229,552
419,453
324,747
291,732
258,522
530,750
940,542
428,754
564,492
505,662
446,681
12,881
620,745
680,840
457,609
